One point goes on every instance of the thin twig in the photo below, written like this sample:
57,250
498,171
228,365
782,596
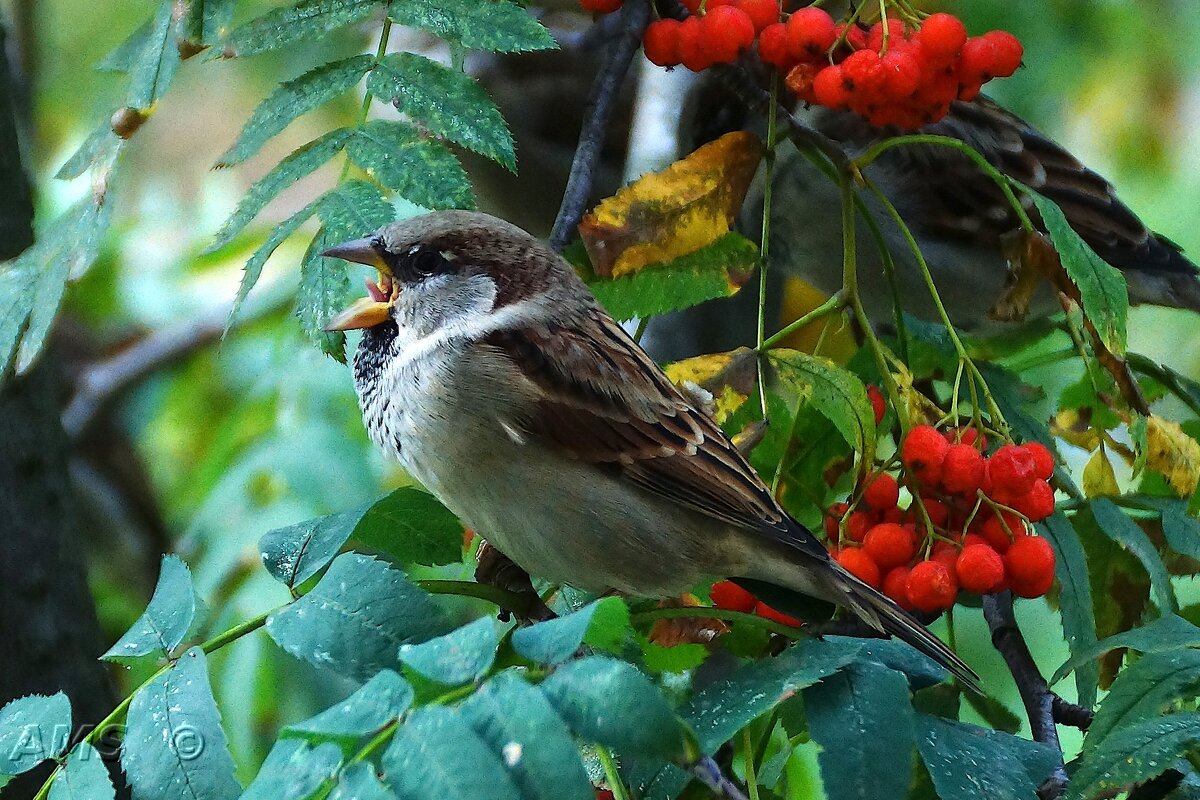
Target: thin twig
1035,693
1073,714
634,17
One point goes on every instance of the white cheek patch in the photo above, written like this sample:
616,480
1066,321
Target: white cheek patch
465,324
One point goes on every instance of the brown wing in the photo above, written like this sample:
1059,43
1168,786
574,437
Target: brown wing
608,404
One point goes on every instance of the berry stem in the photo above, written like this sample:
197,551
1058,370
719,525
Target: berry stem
764,248
611,775
380,51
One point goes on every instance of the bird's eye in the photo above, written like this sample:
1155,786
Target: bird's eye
422,261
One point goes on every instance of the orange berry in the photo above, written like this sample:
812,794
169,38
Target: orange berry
890,545
979,568
859,564
895,587
766,612
931,586
731,597
1029,564
882,492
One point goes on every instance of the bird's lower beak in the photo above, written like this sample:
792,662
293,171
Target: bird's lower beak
376,308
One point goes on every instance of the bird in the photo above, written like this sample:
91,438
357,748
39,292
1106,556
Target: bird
958,215
490,371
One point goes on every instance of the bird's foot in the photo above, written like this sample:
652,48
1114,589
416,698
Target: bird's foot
496,569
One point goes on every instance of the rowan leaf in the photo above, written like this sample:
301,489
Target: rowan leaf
84,777
155,62
436,755
293,99
447,103
1124,531
1075,600
668,214
1099,478
258,259
1145,689
33,729
460,656
496,25
294,771
412,526
287,25
1173,453
167,619
1134,754
359,782
297,552
417,167
1015,767
377,702
1169,632
601,623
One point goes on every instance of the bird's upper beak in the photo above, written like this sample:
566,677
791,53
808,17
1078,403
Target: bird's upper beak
376,307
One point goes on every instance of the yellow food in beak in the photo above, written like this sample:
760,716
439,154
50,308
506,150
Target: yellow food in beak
364,313
376,308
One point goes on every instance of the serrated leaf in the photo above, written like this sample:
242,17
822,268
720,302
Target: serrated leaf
664,215
516,721
294,554
412,526
609,702
1102,289
173,744
716,270
1181,531
291,100
166,621
301,162
1143,690
602,623
376,703
356,617
287,25
436,755
1134,754
202,23
420,169
967,763
294,771
449,104
100,145
861,717
123,57
1099,478
358,782
461,656
84,777
1125,532
155,63
921,670
254,265
33,729
1075,600
496,25
1169,632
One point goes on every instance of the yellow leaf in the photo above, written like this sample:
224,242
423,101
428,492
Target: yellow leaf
798,299
1173,453
1070,426
728,376
668,214
1099,479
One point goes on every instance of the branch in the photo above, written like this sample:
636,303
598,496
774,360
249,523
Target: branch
633,19
1035,692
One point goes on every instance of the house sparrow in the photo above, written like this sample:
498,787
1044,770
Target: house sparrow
958,215
490,371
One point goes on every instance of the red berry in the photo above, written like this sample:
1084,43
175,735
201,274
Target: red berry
1043,460
774,48
942,36
856,35
693,6
901,72
1029,564
726,32
931,586
600,6
863,73
969,436
946,554
661,43
857,526
829,90
972,539
895,587
895,30
766,612
1037,503
962,470
761,12
1011,470
878,405
890,545
979,568
1007,52
882,492
833,517
811,32
923,451
860,564
692,52
604,794
730,596
997,537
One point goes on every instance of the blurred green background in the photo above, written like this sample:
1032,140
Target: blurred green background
262,430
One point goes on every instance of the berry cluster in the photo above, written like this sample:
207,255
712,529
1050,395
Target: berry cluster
973,533
728,595
891,73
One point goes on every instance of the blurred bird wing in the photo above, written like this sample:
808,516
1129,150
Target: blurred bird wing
603,401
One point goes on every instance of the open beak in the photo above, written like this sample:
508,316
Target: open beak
376,307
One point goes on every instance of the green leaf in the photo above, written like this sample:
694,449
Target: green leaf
517,723
1168,632
174,745
448,103
862,718
708,273
1117,526
254,265
412,526
376,703
496,25
293,99
123,57
1145,689
1134,754
836,393
100,145
355,619
676,658
602,623
84,777
436,756
295,166
921,670
358,782
420,169
294,554
33,729
166,621
1102,289
967,763
294,771
288,25
155,63
203,23
1075,600
609,702
461,656
1181,531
